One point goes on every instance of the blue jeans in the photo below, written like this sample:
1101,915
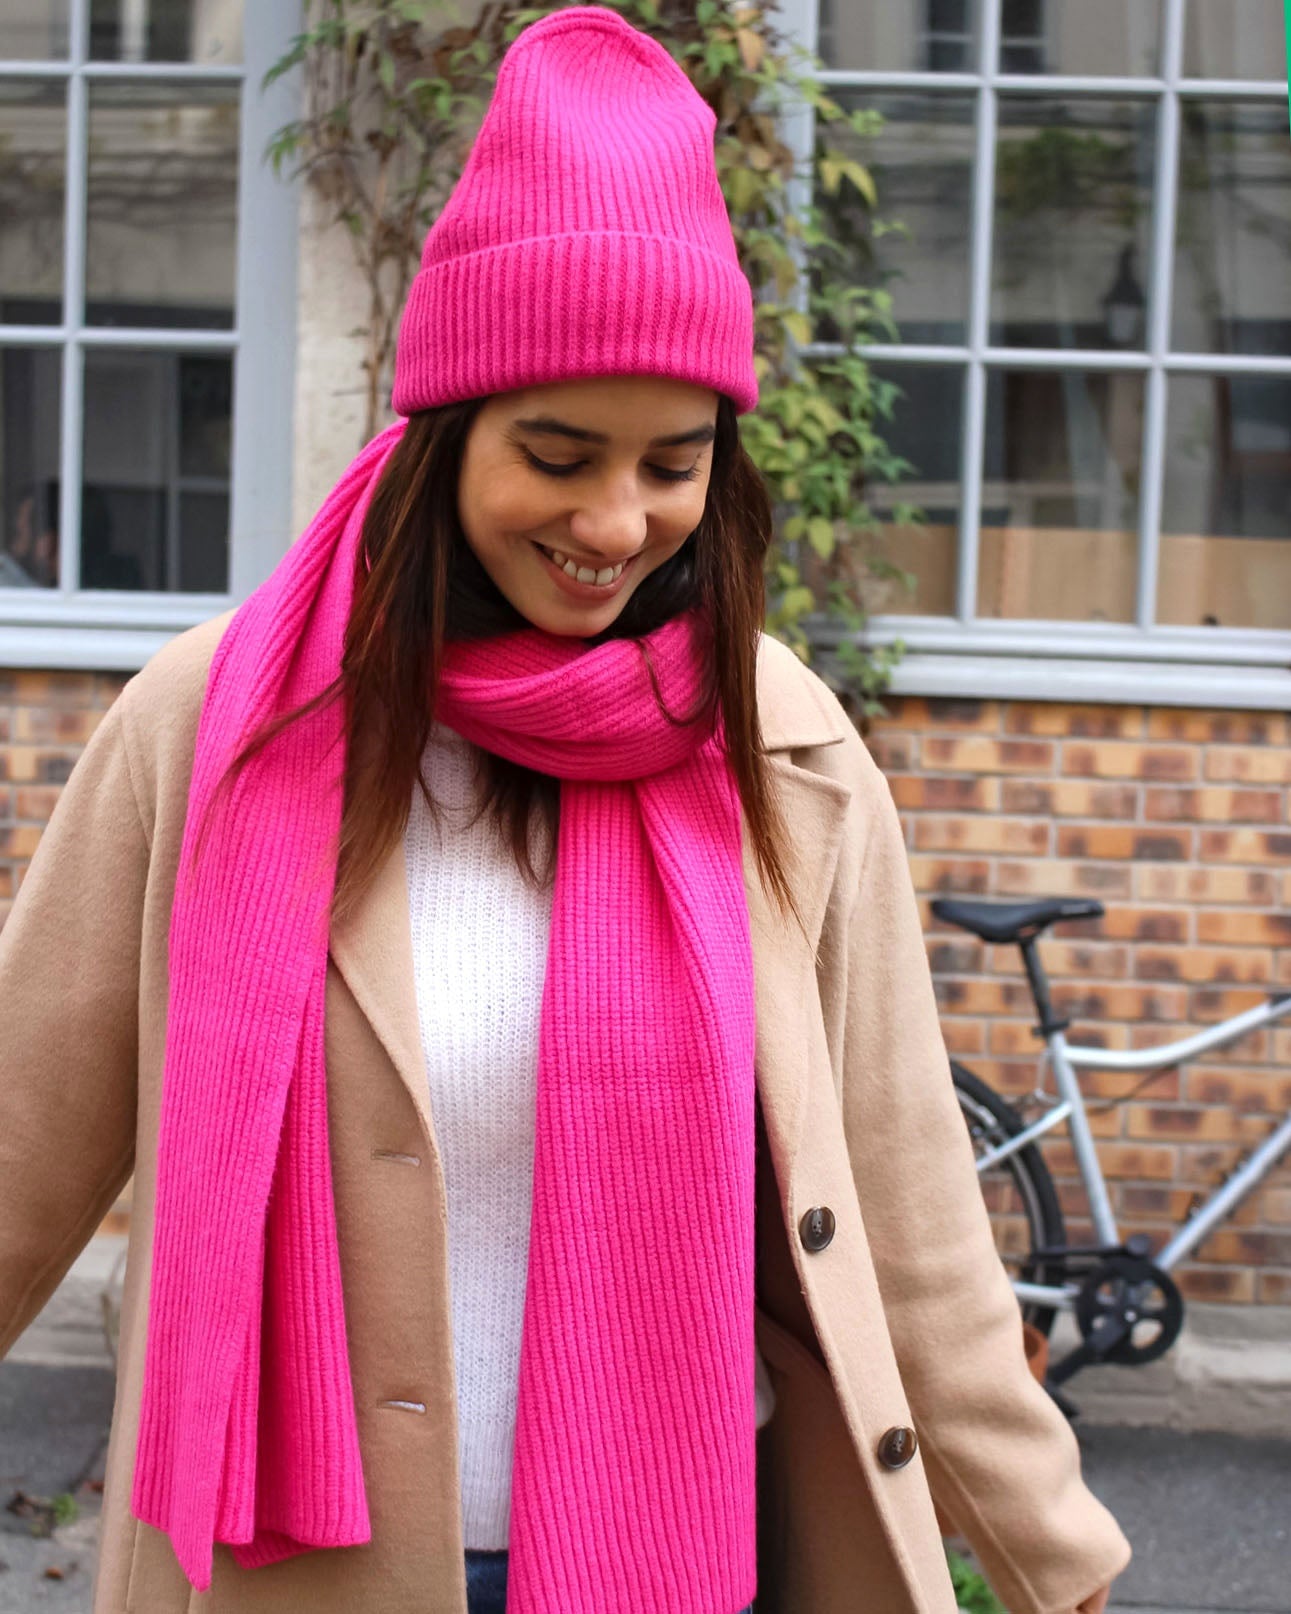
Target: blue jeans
486,1582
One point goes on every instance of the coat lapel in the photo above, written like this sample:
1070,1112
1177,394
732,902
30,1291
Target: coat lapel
372,949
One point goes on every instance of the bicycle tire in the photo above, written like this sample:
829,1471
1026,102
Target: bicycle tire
991,1118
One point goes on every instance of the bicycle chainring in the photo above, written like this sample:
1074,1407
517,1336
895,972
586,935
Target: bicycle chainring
1138,1293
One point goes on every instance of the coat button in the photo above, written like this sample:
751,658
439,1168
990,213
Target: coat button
816,1227
897,1447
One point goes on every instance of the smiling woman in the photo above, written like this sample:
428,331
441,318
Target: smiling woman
568,535
498,1236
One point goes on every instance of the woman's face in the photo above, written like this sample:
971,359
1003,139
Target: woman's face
571,494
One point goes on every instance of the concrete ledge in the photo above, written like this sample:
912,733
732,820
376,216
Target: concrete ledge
1229,1370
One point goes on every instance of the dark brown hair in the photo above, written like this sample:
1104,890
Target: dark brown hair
417,583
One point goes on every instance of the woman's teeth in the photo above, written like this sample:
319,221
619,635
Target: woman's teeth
583,574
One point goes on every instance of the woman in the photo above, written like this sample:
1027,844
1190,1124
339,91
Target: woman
553,1094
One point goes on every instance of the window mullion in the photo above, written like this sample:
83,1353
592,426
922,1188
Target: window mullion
1159,304
74,225
972,449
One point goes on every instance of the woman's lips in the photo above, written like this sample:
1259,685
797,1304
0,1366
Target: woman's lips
583,591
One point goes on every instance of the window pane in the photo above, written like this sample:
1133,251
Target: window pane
1226,512
34,31
1109,38
922,165
925,429
156,484
1060,495
33,171
1232,291
1073,192
163,190
922,35
30,405
207,31
1234,39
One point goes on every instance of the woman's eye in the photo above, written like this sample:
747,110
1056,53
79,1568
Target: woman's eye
660,471
551,470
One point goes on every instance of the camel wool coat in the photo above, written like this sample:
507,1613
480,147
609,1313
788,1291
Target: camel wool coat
902,1321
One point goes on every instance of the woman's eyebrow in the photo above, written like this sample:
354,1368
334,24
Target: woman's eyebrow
559,428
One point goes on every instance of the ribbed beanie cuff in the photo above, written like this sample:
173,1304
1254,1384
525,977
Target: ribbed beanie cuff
567,306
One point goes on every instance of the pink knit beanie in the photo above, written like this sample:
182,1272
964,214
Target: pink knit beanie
587,235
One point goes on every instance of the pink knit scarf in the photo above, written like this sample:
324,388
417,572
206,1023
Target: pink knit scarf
633,1478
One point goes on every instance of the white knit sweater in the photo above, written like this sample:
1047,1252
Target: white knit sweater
479,937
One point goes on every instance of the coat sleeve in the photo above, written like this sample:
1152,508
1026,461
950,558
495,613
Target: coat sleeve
1002,1461
69,984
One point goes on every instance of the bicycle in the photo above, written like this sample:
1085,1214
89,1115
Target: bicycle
1127,1307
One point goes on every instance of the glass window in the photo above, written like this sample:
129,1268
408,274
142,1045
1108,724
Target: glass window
1103,38
1073,192
203,31
33,176
1226,513
162,205
925,428
922,35
33,31
1232,289
155,494
1235,39
30,407
1060,495
922,162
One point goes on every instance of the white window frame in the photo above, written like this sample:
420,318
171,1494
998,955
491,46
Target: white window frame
1138,662
119,630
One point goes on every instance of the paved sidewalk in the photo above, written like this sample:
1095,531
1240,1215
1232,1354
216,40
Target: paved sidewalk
1209,1515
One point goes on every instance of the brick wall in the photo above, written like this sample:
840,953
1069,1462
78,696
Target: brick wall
1178,821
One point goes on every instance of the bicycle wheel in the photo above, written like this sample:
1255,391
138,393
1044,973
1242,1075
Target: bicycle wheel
1019,1192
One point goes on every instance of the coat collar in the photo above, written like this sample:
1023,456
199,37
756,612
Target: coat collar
372,949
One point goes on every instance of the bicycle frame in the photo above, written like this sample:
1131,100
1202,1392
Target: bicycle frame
1066,1060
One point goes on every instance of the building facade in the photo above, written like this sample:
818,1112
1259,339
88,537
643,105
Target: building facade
1094,364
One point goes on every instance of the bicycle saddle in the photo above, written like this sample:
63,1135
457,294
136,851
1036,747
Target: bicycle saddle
1013,921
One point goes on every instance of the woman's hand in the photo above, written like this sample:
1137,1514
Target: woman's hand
1095,1604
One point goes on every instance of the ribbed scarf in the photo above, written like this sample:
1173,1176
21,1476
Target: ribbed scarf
633,1483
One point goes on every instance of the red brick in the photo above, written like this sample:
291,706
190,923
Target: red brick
1213,804
1116,759
1124,841
1232,728
1245,929
1182,1123
1018,836
946,876
982,997
1195,885
1061,721
1213,1003
1260,1093
980,754
940,794
1273,1288
1133,1003
963,1036
1081,958
1137,924
1050,878
1259,765
1203,964
1217,1285
978,716
1070,798
899,752
1262,847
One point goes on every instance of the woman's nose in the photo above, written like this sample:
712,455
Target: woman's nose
611,530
